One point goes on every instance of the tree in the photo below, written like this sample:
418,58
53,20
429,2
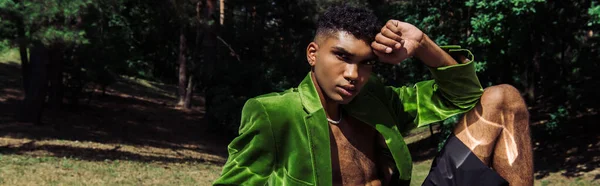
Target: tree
47,26
544,48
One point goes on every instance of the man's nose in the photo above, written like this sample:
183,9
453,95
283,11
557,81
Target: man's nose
351,72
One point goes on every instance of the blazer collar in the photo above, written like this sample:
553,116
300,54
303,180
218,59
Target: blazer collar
312,103
309,95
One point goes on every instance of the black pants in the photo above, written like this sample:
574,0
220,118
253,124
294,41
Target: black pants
457,165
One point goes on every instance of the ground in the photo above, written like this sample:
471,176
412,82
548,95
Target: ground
135,135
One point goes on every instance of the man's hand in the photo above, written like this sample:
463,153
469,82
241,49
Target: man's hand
397,41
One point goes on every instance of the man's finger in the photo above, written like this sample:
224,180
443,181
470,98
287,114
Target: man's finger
403,26
380,47
389,34
393,26
387,41
377,53
385,58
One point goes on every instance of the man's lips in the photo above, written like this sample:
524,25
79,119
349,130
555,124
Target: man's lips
347,90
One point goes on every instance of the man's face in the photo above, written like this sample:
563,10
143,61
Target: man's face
341,65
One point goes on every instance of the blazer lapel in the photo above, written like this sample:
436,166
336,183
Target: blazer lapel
317,130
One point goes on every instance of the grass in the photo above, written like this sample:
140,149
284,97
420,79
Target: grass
132,86
559,179
131,136
420,171
10,56
25,161
45,170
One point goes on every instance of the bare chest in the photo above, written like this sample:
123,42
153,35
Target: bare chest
353,153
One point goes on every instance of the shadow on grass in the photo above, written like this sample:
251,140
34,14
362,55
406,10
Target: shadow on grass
10,81
95,154
137,116
426,148
573,151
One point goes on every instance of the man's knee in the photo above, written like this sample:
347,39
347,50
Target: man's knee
504,96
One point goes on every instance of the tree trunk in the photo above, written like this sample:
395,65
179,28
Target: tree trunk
197,71
209,47
77,87
22,40
33,102
182,67
221,11
55,72
189,92
532,72
74,83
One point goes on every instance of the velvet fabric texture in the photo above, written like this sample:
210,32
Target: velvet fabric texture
284,137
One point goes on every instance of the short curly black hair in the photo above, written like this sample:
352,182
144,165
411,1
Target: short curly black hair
360,22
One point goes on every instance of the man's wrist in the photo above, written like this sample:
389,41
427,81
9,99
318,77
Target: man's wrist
424,46
432,55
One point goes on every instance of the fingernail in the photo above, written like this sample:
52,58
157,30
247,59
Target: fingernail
398,45
388,50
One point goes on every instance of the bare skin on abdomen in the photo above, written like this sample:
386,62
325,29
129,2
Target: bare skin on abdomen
353,153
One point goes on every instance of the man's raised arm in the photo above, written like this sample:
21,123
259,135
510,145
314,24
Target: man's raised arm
455,88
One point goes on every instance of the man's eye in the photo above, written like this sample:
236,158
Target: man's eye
341,56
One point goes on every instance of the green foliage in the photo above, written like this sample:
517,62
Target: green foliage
594,12
535,45
4,46
480,66
556,119
261,44
51,35
48,21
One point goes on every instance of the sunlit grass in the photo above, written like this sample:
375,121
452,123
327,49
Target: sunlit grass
30,170
64,162
420,172
10,56
556,178
155,87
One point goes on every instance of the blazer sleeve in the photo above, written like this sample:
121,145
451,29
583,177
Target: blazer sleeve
252,153
454,90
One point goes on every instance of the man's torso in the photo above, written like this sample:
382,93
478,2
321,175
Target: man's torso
302,136
355,154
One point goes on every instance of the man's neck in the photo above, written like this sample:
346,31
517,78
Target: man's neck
332,108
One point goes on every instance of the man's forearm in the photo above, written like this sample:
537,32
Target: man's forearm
432,55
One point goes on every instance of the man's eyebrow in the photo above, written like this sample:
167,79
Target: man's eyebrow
342,50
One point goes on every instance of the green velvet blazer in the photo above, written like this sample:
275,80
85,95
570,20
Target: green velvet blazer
284,137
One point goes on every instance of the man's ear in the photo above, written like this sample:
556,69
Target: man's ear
311,53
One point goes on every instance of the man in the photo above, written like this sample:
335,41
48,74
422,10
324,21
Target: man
342,127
